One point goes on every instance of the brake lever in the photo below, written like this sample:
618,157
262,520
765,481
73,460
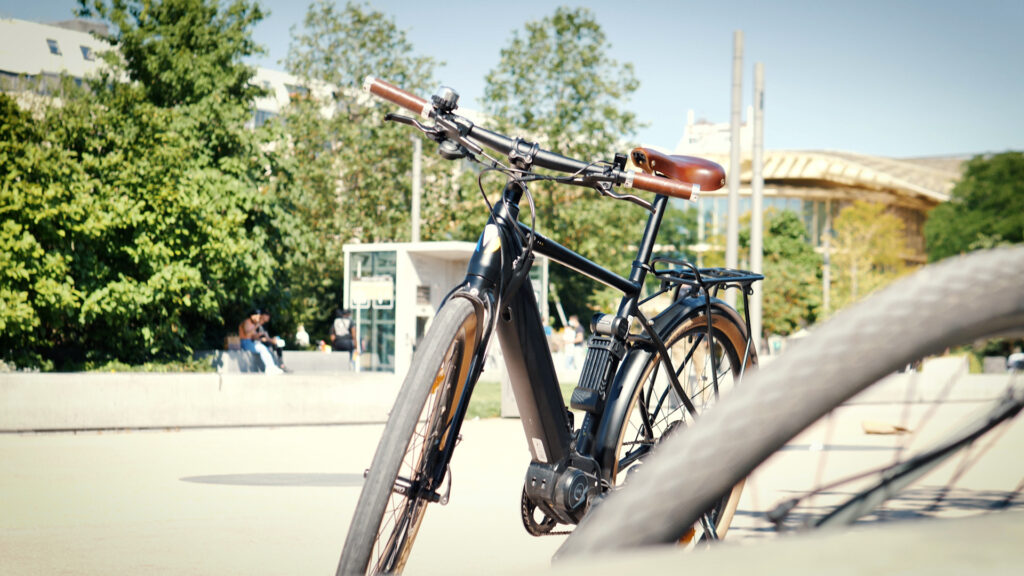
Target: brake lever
389,117
431,132
448,148
606,189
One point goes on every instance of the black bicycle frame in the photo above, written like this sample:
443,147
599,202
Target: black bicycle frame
519,327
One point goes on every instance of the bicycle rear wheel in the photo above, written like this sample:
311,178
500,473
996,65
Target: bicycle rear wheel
407,472
952,303
706,368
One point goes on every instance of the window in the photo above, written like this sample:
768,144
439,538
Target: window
87,53
296,92
54,48
372,298
423,295
261,117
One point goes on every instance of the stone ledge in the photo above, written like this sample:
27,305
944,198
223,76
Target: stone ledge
297,361
87,401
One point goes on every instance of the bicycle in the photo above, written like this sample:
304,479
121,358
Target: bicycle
642,378
960,301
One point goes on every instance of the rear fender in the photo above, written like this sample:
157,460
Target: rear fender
632,369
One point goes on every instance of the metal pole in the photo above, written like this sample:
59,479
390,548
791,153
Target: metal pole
357,347
417,177
757,204
733,221
826,276
700,235
545,310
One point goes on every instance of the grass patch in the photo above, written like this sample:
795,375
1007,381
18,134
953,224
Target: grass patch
190,365
486,400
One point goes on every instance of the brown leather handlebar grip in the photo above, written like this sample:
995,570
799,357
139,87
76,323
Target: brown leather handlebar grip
396,95
665,186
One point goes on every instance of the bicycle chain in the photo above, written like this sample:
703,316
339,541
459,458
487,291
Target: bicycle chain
543,528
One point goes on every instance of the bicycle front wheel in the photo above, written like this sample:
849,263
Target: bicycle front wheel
407,471
707,364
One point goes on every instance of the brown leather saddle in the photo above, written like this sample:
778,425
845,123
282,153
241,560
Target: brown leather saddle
706,174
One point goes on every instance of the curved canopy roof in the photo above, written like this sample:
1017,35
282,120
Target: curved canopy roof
925,179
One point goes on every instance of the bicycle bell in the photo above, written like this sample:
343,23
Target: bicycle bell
446,99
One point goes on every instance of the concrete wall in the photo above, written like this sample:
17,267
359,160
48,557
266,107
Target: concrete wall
79,401
89,401
240,361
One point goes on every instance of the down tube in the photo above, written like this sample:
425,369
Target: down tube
532,375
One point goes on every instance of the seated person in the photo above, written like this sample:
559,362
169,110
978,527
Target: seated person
272,343
248,333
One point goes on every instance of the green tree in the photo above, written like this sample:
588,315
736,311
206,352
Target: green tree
679,231
370,160
349,171
187,55
142,224
38,295
868,252
343,47
556,84
792,285
986,208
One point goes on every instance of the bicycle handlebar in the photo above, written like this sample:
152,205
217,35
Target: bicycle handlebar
541,158
396,95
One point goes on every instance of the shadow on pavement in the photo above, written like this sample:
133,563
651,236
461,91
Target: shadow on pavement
280,479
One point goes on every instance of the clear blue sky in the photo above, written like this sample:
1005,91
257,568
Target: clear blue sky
888,77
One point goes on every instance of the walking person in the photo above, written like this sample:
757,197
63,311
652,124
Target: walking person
579,344
343,332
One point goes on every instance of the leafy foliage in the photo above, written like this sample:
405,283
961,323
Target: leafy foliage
343,48
868,251
556,84
139,217
363,162
678,230
349,172
792,285
986,208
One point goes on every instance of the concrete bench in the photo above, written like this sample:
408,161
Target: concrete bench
241,361
233,361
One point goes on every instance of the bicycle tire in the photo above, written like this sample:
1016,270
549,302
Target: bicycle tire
385,521
952,302
655,412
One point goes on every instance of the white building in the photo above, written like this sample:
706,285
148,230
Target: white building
32,52
394,290
29,50
701,137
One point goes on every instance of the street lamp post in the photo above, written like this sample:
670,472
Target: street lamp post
735,170
756,204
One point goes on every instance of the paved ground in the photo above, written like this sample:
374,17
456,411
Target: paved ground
279,500
238,501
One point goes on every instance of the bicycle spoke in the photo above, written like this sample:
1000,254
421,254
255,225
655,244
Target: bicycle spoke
659,411
710,532
1008,500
